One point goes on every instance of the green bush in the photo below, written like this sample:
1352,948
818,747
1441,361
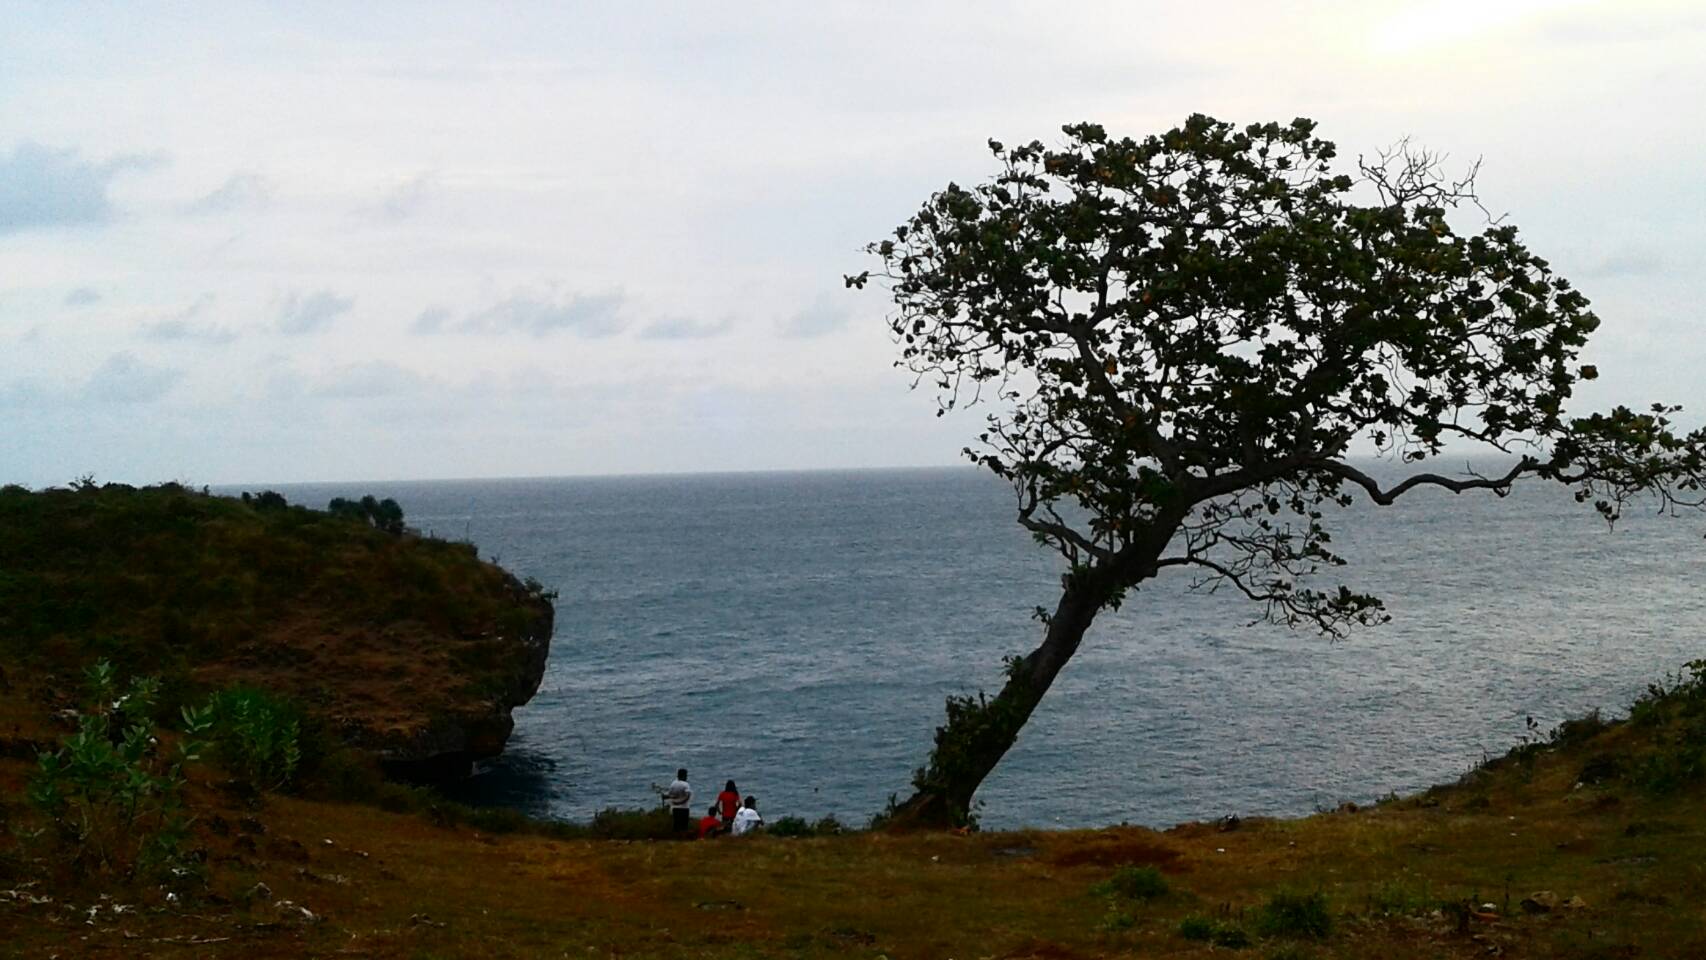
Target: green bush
1133,882
789,827
111,795
1116,919
1209,930
1677,761
1302,915
256,737
613,823
801,827
384,514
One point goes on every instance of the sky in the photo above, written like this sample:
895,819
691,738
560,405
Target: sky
245,243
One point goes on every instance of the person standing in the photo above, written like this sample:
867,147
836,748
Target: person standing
679,797
728,802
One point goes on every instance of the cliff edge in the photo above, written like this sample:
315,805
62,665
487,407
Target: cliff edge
409,648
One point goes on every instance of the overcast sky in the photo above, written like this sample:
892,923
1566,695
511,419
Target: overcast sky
361,241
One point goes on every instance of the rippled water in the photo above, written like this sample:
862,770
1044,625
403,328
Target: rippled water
798,633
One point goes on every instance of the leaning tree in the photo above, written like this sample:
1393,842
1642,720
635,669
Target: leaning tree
1184,338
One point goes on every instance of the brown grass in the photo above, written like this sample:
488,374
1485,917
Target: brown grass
397,886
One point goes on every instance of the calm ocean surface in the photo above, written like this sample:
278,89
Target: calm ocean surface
799,631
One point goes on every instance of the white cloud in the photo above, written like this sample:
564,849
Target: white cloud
44,187
585,315
307,313
406,199
240,191
180,326
682,328
125,379
824,316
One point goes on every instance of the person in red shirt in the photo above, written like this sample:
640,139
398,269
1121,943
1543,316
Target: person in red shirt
711,824
729,802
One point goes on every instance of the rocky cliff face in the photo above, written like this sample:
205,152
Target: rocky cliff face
445,745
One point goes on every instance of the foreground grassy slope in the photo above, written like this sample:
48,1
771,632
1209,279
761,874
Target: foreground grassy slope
1442,874
406,645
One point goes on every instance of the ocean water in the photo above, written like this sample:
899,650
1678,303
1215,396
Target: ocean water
797,632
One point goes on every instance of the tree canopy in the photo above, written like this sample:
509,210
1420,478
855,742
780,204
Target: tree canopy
1183,339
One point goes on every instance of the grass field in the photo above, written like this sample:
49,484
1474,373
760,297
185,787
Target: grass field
1443,874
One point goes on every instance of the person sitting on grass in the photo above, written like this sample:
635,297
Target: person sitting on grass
748,820
711,824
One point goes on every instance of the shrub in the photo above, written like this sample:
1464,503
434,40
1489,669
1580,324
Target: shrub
256,737
1133,882
1579,730
1295,915
1209,930
801,827
384,514
1197,928
613,823
789,827
1676,762
1116,919
111,795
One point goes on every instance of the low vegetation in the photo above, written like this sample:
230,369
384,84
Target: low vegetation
1553,851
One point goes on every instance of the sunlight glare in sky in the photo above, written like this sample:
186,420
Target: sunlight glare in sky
1421,28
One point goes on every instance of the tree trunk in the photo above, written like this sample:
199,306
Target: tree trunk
980,731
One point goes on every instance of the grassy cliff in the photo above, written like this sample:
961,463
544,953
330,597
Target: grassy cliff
411,648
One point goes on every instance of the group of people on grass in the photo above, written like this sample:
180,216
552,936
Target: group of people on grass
728,815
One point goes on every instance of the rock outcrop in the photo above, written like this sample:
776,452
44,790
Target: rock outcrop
450,742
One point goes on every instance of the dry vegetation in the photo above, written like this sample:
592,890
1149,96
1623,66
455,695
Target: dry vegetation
1443,874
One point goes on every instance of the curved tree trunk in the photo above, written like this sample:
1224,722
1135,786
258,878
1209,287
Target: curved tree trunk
979,731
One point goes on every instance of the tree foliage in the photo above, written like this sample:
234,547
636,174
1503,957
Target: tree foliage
384,514
1183,336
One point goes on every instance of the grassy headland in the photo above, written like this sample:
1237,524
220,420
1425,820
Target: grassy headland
410,647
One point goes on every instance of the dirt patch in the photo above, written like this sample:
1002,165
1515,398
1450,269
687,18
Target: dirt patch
1035,949
1114,848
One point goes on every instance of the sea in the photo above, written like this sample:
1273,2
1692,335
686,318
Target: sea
798,633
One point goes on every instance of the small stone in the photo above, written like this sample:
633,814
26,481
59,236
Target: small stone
260,891
1574,903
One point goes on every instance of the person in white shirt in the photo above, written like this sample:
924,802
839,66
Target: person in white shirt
747,819
679,797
